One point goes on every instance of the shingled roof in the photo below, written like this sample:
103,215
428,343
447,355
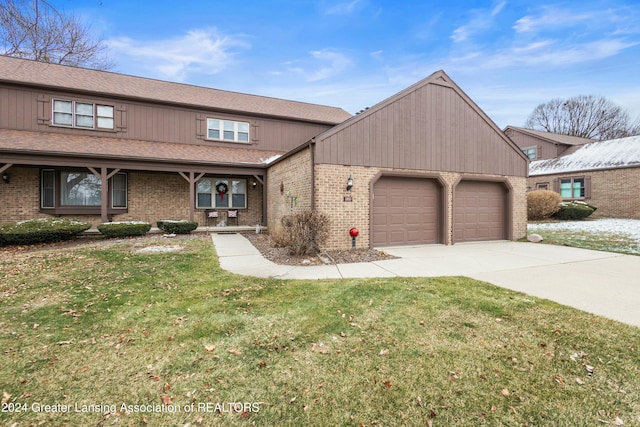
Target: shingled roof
79,146
555,138
611,154
120,85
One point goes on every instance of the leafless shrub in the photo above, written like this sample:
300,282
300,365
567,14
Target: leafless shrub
305,231
542,204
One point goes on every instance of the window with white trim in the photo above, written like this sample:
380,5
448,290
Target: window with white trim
82,115
228,130
221,193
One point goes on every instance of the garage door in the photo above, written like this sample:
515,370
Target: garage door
479,211
405,211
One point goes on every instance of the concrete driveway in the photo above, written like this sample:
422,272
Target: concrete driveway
598,282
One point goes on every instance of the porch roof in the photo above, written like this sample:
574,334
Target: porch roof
43,144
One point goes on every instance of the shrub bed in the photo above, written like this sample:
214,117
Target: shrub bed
542,204
574,210
124,229
43,230
177,227
305,231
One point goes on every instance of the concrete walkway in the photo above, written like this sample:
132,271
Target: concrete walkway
602,283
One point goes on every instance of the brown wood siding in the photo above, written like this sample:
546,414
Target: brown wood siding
19,109
431,128
546,149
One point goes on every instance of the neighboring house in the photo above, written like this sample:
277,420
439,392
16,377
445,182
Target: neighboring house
427,165
605,174
540,145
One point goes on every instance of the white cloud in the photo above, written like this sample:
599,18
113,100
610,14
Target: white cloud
377,55
198,51
323,64
344,8
553,19
482,19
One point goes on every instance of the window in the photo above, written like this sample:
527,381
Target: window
119,190
227,130
82,115
572,188
80,189
531,152
48,188
64,189
221,193
105,116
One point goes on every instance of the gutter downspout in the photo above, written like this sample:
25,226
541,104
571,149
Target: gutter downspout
312,151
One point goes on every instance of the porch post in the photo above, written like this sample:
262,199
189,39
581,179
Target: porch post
192,179
263,180
264,200
104,176
192,196
104,205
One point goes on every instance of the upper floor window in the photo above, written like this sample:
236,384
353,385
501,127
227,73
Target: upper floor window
82,115
531,152
227,130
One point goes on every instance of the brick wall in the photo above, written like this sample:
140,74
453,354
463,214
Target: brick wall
615,192
519,217
152,197
330,190
20,199
289,187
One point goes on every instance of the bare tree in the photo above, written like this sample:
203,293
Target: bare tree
34,29
584,116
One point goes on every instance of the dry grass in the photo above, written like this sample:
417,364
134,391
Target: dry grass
107,326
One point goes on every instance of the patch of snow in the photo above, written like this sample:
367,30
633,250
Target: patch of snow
126,222
614,153
159,249
624,227
271,159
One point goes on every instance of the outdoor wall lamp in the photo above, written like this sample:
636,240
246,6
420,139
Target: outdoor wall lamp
254,184
349,183
5,178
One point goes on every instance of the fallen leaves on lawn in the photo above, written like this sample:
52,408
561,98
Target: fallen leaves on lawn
235,352
166,399
319,348
210,348
589,369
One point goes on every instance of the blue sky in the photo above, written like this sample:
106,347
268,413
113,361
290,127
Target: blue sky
508,56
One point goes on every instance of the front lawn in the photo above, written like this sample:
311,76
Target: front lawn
605,234
105,335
